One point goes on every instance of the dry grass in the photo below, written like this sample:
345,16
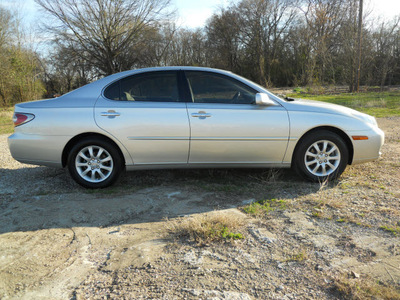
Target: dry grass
6,124
267,176
363,288
206,228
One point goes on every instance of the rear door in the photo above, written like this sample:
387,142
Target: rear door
228,127
145,113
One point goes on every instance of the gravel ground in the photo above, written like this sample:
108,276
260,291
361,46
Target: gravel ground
335,241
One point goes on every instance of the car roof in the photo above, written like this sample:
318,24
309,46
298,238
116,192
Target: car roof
96,87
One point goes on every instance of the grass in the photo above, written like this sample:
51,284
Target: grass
380,105
393,230
207,228
317,214
300,256
6,124
263,207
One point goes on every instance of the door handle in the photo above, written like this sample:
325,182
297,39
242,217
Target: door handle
201,115
110,114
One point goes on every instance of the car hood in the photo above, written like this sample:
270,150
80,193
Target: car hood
327,108
319,107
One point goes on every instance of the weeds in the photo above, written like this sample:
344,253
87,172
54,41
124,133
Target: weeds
317,214
206,228
299,257
393,230
226,234
263,207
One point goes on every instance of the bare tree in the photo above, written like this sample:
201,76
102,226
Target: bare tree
103,32
386,43
6,20
264,26
324,20
224,41
187,48
63,71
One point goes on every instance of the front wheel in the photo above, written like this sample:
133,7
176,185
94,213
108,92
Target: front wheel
321,156
94,163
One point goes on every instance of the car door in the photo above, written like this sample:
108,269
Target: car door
228,127
145,113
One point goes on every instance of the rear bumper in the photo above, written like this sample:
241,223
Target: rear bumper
37,149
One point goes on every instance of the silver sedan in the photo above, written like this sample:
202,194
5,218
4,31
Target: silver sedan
188,117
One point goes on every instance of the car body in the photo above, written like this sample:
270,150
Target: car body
188,117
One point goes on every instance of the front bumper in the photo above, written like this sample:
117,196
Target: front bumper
367,150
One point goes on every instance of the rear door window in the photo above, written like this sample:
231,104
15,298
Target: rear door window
153,86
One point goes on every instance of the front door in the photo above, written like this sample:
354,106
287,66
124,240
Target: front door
227,127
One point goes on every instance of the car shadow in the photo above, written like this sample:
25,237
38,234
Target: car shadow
35,198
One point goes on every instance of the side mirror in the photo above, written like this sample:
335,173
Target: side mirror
263,99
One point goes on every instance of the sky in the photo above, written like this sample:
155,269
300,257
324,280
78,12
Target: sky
194,13
385,8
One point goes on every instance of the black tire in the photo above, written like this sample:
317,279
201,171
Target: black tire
324,165
95,163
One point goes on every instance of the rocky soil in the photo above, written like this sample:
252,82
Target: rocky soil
315,241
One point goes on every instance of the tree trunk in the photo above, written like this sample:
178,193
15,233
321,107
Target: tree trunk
359,39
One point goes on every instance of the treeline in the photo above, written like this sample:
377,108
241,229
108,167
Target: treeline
19,67
272,42
293,43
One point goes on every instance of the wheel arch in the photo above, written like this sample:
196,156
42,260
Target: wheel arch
332,129
82,136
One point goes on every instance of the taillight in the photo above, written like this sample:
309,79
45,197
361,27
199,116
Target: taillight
22,118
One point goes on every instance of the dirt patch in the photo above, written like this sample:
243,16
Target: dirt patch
340,240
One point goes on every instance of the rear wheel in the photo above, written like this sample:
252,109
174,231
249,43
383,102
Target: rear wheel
320,156
95,163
